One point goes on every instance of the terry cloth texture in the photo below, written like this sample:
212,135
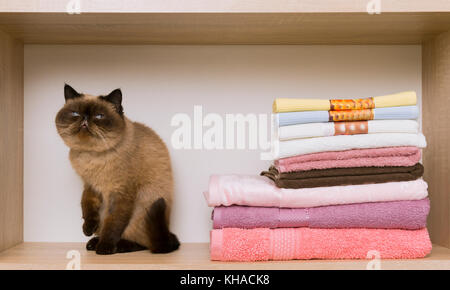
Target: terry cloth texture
388,156
405,214
343,176
233,244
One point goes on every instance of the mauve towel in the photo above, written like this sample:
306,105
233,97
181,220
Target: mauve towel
232,244
408,215
388,156
253,190
343,176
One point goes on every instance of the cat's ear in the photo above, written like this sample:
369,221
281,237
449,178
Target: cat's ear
70,93
115,97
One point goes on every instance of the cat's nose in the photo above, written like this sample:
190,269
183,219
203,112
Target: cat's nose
84,124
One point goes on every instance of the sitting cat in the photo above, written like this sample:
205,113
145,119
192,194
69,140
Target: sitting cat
126,171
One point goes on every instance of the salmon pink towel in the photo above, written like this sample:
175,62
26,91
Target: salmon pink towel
254,190
407,214
232,244
388,156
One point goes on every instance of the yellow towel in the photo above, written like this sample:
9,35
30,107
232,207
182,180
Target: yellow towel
396,100
282,105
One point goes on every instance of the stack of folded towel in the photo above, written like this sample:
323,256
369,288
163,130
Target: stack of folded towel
346,180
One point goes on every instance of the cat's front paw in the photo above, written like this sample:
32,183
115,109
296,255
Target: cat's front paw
89,227
105,248
92,244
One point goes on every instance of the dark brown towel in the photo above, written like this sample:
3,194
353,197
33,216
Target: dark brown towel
343,176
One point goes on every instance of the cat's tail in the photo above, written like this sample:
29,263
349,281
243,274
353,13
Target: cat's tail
161,239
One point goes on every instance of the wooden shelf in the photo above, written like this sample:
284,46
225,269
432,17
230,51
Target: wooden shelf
225,28
189,256
322,6
225,22
277,22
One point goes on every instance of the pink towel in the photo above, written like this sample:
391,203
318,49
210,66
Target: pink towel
389,156
254,190
410,215
232,244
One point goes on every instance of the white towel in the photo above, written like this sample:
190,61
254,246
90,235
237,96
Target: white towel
329,129
283,149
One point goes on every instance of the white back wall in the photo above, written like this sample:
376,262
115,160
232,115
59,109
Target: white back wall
160,81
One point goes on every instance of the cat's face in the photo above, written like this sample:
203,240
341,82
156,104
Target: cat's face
91,123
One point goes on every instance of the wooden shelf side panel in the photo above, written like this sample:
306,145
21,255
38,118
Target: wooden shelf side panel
436,127
11,141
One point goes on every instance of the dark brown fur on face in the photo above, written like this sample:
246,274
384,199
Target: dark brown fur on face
126,171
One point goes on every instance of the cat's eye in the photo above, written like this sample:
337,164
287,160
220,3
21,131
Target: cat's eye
99,116
75,114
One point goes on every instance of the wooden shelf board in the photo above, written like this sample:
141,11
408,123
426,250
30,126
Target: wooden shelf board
225,6
189,256
225,28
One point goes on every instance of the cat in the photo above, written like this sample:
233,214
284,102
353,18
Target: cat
127,175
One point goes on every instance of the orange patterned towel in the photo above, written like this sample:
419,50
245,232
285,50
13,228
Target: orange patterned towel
356,104
351,115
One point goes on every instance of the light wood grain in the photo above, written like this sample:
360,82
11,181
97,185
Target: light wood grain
224,6
436,127
189,256
223,22
11,141
225,28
